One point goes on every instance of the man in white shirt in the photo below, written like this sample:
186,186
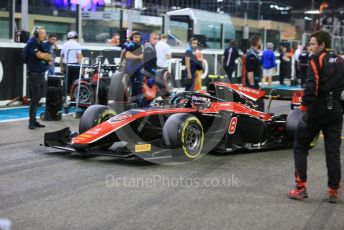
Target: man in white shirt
163,52
296,64
71,54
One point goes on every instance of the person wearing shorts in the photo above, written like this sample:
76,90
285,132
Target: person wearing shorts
268,62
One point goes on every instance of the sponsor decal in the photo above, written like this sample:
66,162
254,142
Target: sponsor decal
251,145
248,145
120,117
257,145
249,90
333,60
143,148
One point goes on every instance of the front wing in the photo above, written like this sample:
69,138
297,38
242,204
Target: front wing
61,140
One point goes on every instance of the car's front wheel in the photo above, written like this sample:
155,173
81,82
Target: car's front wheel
93,116
183,133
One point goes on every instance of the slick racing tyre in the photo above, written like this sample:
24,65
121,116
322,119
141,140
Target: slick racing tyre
103,91
93,116
119,93
45,116
164,82
183,133
85,94
294,118
119,87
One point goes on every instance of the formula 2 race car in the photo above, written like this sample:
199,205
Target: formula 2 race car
222,119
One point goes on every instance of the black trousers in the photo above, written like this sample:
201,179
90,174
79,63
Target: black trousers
331,126
135,80
281,79
37,87
73,74
303,75
229,73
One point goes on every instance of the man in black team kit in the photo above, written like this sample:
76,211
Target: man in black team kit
149,63
38,58
134,58
253,67
228,60
321,102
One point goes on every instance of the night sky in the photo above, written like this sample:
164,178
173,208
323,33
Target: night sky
307,4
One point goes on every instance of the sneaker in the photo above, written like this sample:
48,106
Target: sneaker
38,125
298,193
32,126
333,196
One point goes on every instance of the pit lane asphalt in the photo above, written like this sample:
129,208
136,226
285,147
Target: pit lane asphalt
43,189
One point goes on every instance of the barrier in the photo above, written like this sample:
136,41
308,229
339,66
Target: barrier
13,71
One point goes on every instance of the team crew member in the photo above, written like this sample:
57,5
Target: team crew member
253,67
253,63
149,63
285,65
134,57
303,65
122,61
163,52
321,102
52,47
194,65
37,64
71,55
228,59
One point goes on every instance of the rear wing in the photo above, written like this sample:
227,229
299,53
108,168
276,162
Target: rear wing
250,93
294,96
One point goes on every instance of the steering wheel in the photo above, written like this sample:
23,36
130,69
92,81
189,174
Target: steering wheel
181,101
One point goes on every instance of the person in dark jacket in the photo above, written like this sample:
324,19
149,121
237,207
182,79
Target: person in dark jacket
52,50
193,60
323,112
303,65
253,67
285,65
268,62
38,62
149,63
134,58
228,59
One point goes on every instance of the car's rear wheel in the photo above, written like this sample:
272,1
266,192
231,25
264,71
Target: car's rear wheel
184,135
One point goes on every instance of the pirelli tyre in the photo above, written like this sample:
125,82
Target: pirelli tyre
119,93
294,118
86,94
119,89
94,115
184,135
164,82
